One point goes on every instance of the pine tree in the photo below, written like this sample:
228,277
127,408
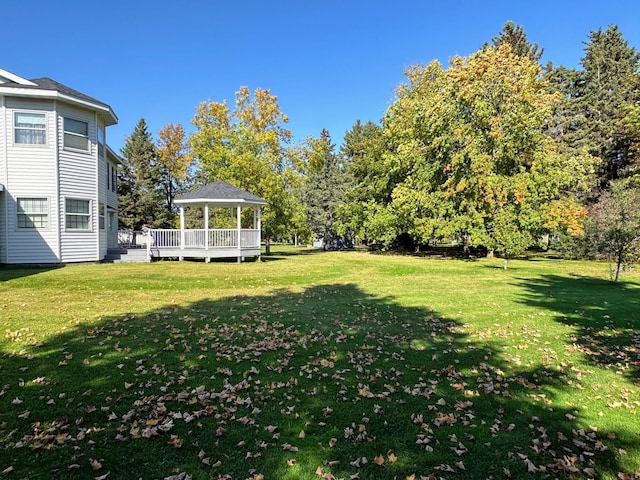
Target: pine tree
515,36
325,188
595,113
611,82
140,195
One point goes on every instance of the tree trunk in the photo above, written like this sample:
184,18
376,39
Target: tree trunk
619,264
267,246
465,245
506,262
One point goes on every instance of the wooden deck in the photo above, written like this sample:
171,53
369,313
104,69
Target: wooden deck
200,243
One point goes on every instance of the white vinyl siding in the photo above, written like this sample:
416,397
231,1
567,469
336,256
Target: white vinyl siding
38,161
3,220
79,180
3,181
30,173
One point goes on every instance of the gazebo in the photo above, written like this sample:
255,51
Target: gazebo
209,242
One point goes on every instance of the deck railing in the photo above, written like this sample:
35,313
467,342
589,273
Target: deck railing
197,238
132,239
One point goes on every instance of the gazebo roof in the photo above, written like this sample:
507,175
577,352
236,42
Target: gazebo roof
221,194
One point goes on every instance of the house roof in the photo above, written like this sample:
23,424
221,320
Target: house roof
220,193
45,87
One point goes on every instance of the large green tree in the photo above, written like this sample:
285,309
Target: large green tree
366,215
246,147
139,184
469,156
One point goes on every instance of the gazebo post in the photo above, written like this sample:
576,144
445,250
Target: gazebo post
258,226
206,230
239,226
181,231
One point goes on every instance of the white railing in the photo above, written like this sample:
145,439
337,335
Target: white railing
132,239
195,238
164,237
250,238
223,238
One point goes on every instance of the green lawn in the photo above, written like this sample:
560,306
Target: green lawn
313,365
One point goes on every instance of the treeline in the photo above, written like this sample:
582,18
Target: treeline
494,150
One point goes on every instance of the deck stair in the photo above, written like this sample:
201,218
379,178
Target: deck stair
126,255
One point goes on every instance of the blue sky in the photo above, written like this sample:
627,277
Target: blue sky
329,62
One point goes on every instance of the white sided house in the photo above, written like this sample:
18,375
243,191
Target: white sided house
58,195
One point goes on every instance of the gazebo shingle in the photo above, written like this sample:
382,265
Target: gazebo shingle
220,191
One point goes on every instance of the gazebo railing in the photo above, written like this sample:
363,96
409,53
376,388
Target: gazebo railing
195,238
223,238
250,237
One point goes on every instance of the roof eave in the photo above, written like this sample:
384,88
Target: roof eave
226,201
107,112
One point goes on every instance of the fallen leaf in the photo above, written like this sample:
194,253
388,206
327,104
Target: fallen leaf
379,460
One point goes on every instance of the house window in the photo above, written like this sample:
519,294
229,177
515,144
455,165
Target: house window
112,221
77,216
101,142
30,128
33,213
76,134
101,215
114,179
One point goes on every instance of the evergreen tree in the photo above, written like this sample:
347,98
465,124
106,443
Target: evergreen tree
611,82
140,194
325,188
594,113
515,36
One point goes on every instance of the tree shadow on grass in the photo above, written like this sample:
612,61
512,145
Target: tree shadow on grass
606,317
330,381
